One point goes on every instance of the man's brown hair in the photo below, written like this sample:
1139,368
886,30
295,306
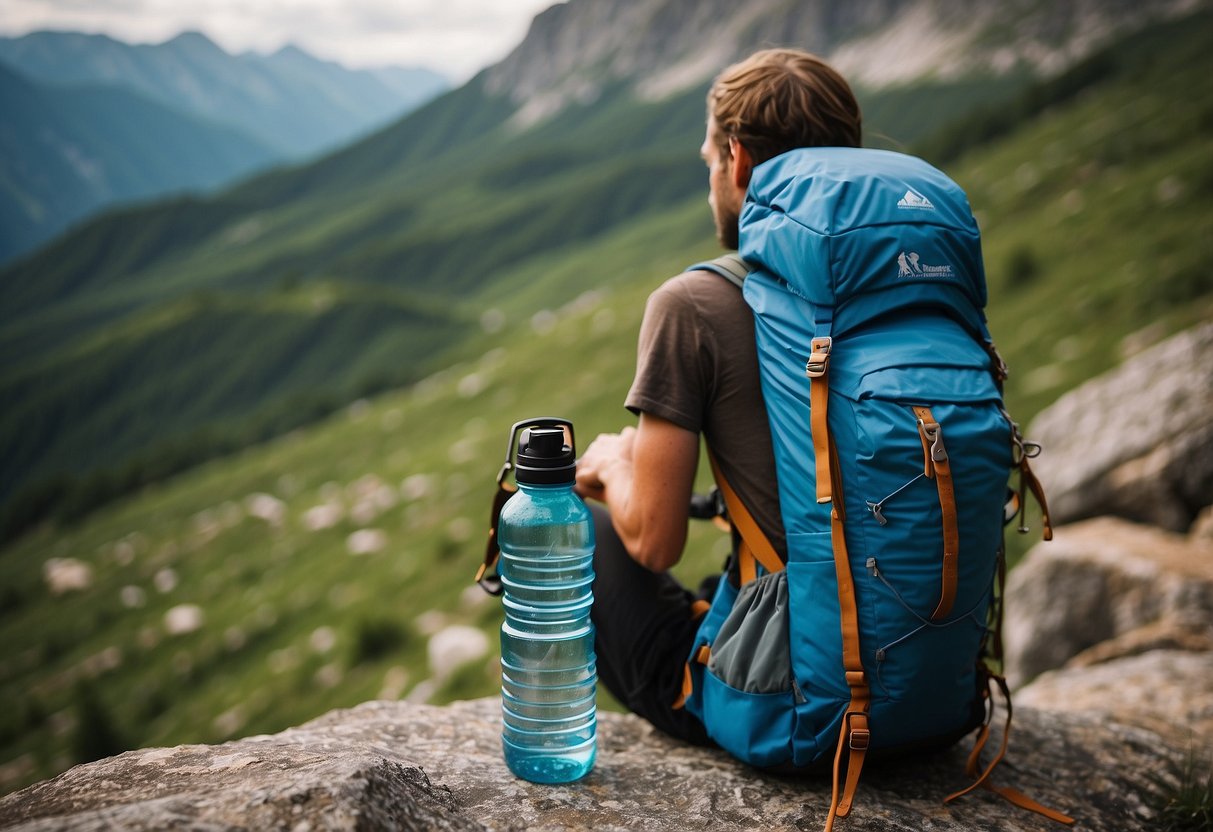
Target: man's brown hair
780,99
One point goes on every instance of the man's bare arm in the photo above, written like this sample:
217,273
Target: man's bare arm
645,476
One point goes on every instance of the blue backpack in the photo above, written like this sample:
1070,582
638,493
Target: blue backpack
893,453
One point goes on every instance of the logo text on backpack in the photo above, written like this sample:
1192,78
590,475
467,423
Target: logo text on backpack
913,199
909,265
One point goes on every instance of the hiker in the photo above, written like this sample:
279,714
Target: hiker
697,373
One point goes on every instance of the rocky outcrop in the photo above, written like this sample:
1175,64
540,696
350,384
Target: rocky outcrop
576,50
1136,442
392,765
1169,692
1107,588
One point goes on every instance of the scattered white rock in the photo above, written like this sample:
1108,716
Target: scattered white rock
454,646
108,659
358,410
184,618
543,322
473,596
328,676
323,516
422,692
234,638
416,487
394,682
230,721
323,639
266,507
366,541
430,622
132,597
371,497
124,553
471,385
64,575
165,581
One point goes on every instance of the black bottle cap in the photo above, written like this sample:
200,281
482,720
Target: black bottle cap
544,458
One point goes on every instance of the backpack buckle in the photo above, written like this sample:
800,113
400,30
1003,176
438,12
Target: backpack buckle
819,358
859,739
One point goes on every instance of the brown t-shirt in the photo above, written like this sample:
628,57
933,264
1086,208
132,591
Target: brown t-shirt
697,366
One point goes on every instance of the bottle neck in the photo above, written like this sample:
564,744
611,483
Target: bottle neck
530,487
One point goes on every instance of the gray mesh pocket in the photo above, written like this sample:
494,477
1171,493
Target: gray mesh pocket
750,652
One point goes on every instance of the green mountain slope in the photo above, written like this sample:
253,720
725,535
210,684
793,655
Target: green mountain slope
307,573
65,152
440,206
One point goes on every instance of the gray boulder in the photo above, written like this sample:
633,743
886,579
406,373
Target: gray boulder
394,765
1136,442
1127,691
1103,589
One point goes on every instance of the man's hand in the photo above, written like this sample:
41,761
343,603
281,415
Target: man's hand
644,475
607,450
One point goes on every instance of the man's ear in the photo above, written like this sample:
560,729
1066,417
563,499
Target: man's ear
743,163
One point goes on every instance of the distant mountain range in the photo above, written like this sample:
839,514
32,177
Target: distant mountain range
150,338
89,120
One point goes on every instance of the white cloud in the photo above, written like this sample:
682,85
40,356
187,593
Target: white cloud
456,37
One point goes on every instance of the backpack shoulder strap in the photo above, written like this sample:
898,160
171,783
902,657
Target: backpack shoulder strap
729,266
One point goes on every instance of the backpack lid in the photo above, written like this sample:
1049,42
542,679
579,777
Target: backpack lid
859,233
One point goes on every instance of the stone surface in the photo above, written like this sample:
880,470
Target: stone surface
1167,691
1136,442
391,765
1109,587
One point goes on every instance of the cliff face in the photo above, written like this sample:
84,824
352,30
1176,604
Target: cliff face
576,50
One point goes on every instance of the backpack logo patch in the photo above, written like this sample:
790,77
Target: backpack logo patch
913,199
909,265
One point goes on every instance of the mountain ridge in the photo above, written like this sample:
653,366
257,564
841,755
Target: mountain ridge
104,122
665,47
70,151
289,110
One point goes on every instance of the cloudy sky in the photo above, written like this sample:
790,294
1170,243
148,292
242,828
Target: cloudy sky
455,37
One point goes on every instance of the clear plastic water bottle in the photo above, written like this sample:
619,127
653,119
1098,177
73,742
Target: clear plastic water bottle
548,673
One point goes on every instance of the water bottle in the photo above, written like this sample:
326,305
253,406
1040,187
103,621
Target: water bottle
548,673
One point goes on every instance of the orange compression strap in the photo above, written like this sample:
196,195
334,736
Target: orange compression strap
973,765
702,655
754,544
817,370
939,467
855,735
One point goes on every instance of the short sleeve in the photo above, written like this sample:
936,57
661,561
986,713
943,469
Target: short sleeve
669,379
